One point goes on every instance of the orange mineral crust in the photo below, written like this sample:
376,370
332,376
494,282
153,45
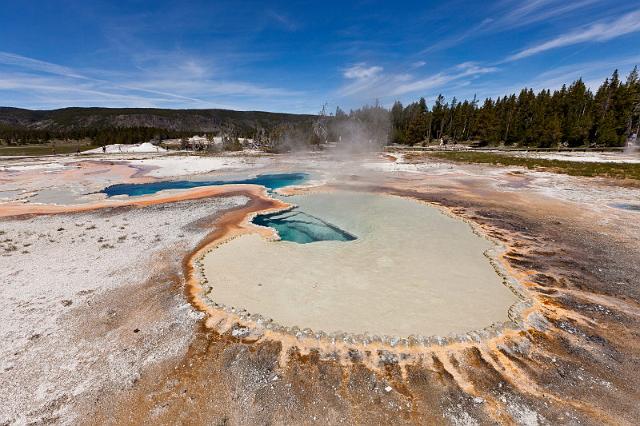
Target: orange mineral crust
19,209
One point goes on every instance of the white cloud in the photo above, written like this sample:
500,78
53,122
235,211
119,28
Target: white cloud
362,72
538,10
52,91
194,69
591,68
596,32
283,20
466,69
11,59
31,82
205,87
592,73
365,83
509,17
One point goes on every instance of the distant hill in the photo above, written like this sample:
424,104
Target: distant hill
201,120
132,125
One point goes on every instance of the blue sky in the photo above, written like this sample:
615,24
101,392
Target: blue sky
295,56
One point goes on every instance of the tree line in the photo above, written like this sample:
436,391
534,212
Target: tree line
98,136
571,116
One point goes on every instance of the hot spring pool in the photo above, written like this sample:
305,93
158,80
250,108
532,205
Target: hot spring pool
270,181
627,206
407,269
300,227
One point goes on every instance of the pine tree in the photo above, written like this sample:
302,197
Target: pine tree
577,120
438,117
630,104
486,130
397,123
417,129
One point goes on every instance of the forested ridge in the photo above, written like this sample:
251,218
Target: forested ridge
129,125
571,116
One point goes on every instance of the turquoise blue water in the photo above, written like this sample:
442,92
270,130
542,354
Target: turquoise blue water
627,206
292,225
299,227
270,181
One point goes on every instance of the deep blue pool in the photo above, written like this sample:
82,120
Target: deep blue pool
270,181
297,226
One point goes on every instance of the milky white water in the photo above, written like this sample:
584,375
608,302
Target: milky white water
411,270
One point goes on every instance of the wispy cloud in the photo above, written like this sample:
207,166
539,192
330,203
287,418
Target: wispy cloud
511,16
474,31
210,87
363,80
533,11
467,69
370,82
590,70
283,21
596,32
187,83
48,90
592,73
362,71
15,60
33,76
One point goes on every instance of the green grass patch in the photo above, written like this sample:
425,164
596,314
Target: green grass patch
35,150
573,168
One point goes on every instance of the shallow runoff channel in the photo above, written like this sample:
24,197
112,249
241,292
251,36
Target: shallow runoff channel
408,269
